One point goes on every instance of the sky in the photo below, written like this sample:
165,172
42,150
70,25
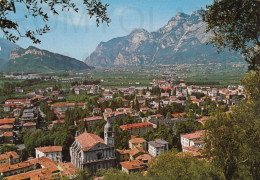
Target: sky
76,35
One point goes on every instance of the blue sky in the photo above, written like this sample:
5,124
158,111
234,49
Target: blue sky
75,35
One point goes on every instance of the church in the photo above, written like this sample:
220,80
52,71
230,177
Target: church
92,152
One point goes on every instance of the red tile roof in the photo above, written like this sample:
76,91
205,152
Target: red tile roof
127,151
137,140
145,109
135,126
48,149
46,162
9,105
29,124
176,115
144,157
156,115
130,165
195,151
68,104
136,150
67,168
49,167
197,100
8,134
195,135
44,173
58,122
7,121
8,154
6,127
94,118
88,140
16,100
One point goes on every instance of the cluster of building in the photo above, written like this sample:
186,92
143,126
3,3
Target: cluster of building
11,168
90,150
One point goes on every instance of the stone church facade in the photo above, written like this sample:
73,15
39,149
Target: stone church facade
92,152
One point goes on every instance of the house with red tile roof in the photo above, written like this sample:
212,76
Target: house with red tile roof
193,139
90,121
123,155
133,166
7,137
52,152
8,107
9,158
26,166
137,128
198,102
6,128
39,168
61,108
195,151
29,126
7,121
156,116
137,142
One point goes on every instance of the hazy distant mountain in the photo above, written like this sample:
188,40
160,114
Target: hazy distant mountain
33,59
182,40
6,48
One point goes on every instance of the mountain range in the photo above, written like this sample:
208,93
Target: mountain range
182,40
6,47
33,59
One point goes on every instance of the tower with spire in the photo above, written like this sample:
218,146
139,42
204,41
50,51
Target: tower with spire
109,134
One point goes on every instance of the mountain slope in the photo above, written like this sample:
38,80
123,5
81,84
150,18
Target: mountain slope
33,59
182,40
6,47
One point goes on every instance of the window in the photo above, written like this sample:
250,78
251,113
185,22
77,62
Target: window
99,155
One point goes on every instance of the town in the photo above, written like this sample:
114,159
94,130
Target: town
47,134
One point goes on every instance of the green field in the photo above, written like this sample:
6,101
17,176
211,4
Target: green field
215,75
120,78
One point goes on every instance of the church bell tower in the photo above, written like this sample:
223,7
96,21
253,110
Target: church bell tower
109,134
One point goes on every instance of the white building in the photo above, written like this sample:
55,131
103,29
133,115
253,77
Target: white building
157,147
52,152
192,139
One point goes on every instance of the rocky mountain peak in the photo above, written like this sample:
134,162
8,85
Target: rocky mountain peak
182,40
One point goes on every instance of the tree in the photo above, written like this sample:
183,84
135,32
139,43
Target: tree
222,143
83,175
252,84
37,10
235,24
6,148
171,165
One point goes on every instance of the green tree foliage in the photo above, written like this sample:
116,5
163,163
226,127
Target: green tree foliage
49,114
235,24
156,91
121,137
83,175
40,10
232,140
170,165
58,136
6,148
75,115
222,143
136,105
252,84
